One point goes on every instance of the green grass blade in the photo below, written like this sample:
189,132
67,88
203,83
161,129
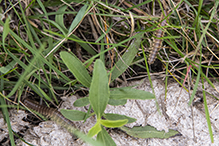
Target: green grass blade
83,45
43,93
174,46
34,51
196,84
27,73
78,18
5,31
138,5
207,113
57,26
113,46
6,117
25,66
199,45
127,57
43,8
59,18
22,139
104,34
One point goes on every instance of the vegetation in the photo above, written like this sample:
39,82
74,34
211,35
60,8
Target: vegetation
49,47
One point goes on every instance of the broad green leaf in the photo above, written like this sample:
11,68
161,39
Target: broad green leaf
117,102
77,68
78,18
81,102
85,101
113,123
105,138
73,115
148,132
94,130
99,89
110,116
127,57
130,93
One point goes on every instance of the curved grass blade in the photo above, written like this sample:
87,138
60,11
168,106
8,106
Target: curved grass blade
5,31
6,117
35,51
83,45
127,57
59,18
56,25
27,73
207,115
79,17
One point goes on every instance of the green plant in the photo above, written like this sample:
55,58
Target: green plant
190,47
99,96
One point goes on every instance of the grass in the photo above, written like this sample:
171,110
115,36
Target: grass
34,34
